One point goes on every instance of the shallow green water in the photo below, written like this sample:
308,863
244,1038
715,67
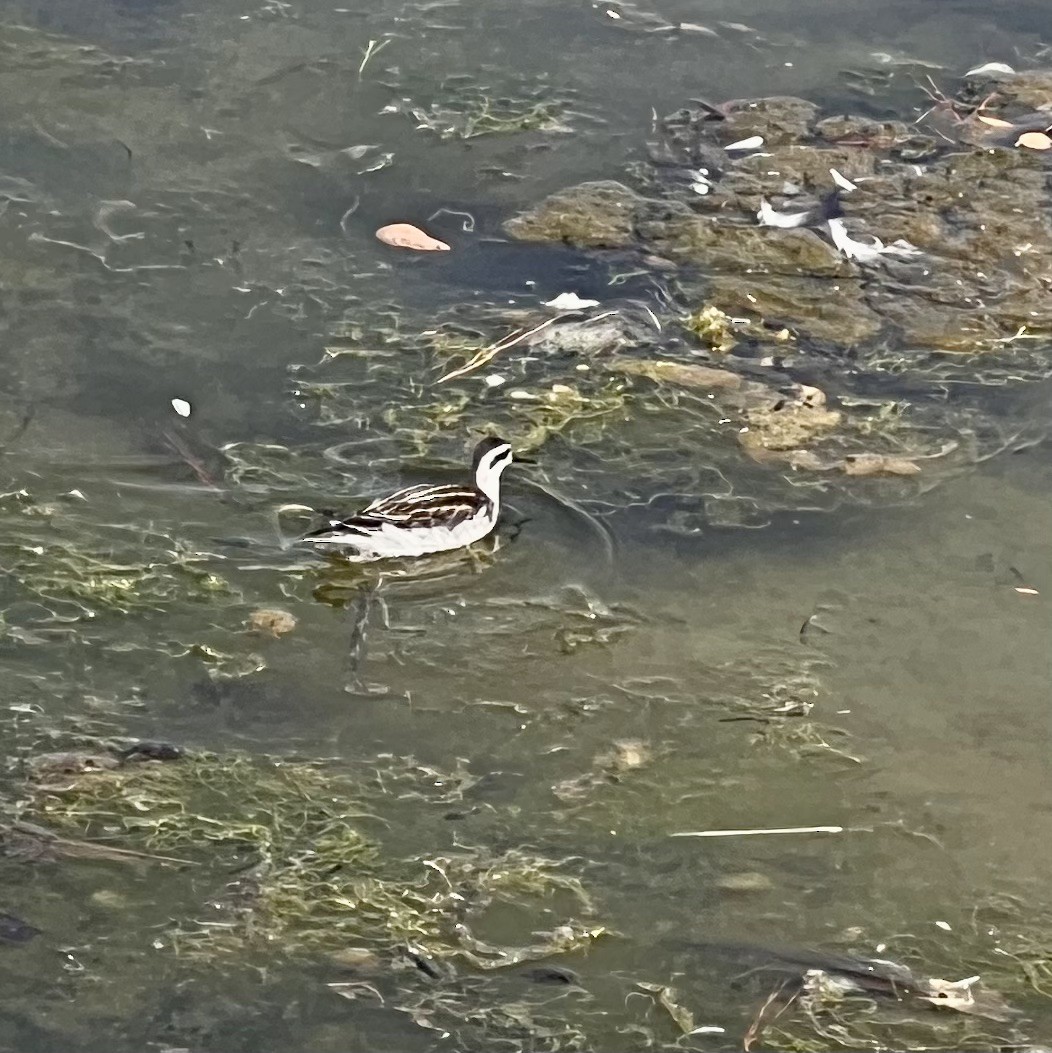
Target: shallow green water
175,177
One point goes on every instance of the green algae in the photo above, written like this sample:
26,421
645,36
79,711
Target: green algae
95,582
309,878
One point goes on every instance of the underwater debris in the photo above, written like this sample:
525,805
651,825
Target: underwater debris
14,930
608,767
668,999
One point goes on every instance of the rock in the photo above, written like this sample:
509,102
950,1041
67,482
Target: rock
600,215
685,374
789,423
625,756
72,762
834,312
271,622
736,247
863,131
551,974
588,337
1029,88
148,750
809,166
15,930
745,881
879,464
361,959
778,118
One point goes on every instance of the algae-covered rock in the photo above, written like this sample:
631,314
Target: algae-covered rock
778,118
823,310
808,165
863,131
685,374
600,215
789,423
878,464
722,246
1030,88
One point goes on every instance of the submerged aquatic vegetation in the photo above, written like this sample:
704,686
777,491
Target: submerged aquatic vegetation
308,878
154,573
714,326
462,108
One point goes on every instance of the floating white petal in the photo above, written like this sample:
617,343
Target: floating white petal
754,142
842,181
181,406
768,217
990,67
867,253
570,301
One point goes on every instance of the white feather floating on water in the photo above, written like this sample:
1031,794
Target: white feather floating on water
990,67
570,301
842,181
768,217
181,406
754,142
859,250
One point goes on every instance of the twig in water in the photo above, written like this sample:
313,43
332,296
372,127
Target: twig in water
769,830
190,459
469,220
374,48
487,354
86,849
350,212
758,1023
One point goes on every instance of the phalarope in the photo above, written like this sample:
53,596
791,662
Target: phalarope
424,519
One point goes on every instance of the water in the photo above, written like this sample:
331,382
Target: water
221,136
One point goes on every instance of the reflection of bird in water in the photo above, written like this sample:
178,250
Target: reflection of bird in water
424,519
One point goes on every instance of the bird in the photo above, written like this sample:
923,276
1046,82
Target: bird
421,520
